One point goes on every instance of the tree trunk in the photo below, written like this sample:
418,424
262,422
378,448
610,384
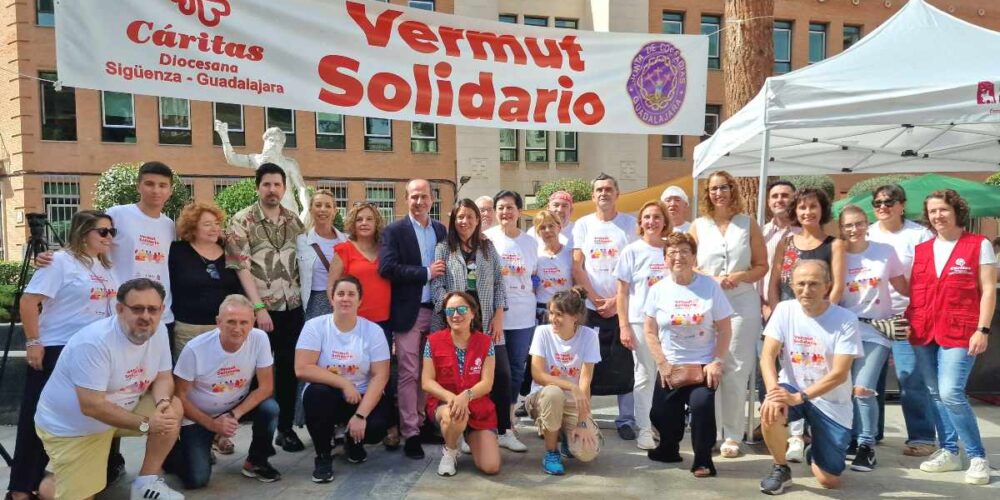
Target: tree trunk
747,62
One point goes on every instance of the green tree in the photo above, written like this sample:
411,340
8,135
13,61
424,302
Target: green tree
578,188
822,182
993,180
868,185
118,185
236,197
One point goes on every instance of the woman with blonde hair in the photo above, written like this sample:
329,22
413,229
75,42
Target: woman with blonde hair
555,262
76,289
731,250
314,249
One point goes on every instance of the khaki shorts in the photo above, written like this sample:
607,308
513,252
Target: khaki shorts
554,410
185,332
80,463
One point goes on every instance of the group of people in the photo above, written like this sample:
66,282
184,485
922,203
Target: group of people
375,334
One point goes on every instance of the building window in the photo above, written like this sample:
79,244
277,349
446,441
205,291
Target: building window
671,148
383,196
118,118
221,184
673,23
46,13
710,25
435,212
712,114
782,46
508,145
423,137
536,21
817,42
283,119
508,18
61,197
189,186
566,148
232,114
339,191
378,134
175,121
422,4
536,146
570,24
852,34
58,109
330,131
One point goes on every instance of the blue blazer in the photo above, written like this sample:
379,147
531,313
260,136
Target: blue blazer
399,262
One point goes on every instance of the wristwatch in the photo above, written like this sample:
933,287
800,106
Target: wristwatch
468,392
985,330
144,426
805,396
360,416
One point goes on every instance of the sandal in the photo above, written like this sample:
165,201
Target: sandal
730,449
223,446
702,472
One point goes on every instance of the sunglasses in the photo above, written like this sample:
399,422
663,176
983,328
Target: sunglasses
461,310
884,203
212,271
104,232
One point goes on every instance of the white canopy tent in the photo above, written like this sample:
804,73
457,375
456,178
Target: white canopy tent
918,94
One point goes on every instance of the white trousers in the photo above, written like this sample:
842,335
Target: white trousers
731,398
645,377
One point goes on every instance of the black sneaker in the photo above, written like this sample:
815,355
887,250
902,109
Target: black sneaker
776,482
323,469
521,411
116,468
852,449
355,452
626,432
661,454
288,441
864,460
412,448
262,472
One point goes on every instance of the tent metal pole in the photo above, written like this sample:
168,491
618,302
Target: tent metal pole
765,158
694,198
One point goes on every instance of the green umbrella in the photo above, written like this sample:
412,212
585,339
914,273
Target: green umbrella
983,199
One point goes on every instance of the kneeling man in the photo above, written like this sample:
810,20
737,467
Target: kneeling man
213,376
113,379
818,342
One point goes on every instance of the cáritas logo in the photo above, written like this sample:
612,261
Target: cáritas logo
210,12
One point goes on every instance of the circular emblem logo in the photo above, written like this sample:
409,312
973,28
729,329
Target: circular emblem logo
960,262
657,82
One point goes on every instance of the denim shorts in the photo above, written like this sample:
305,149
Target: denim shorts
829,439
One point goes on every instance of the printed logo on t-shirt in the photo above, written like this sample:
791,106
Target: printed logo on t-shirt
960,267
345,369
564,366
226,382
808,359
513,266
477,366
864,284
102,293
657,271
150,256
138,384
554,282
693,317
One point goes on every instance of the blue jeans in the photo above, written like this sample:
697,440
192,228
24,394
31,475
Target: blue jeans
914,397
518,344
829,439
946,372
191,457
865,373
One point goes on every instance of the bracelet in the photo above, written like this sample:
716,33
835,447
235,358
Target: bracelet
167,400
259,306
360,416
32,343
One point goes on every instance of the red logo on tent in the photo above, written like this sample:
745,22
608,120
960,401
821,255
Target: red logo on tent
986,93
210,12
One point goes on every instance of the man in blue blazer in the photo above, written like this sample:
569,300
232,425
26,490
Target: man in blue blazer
406,259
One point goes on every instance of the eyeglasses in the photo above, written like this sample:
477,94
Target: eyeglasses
212,271
677,252
138,310
855,225
461,310
884,203
720,188
104,232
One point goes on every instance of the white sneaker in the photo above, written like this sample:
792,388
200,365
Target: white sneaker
462,445
645,440
449,459
156,490
509,440
942,461
796,450
979,471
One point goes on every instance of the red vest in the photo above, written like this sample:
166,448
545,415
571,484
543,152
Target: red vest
945,310
482,412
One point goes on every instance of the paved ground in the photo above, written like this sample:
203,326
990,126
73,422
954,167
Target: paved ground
620,471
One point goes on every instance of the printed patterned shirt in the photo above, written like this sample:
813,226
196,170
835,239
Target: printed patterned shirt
268,250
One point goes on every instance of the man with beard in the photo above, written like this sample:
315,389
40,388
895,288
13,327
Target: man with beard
114,380
678,208
260,246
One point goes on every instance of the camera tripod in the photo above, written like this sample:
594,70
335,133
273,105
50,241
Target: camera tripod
35,246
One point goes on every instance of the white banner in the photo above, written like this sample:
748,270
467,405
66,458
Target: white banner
380,60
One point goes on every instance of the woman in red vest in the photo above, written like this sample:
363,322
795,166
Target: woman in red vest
952,299
458,378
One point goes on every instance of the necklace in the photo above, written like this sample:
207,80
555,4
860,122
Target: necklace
267,233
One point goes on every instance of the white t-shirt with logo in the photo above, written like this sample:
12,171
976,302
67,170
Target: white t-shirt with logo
866,292
555,273
141,247
220,380
100,358
904,242
518,260
77,295
565,358
640,266
601,243
808,346
943,249
348,354
686,316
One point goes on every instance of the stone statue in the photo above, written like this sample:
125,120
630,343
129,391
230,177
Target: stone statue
274,141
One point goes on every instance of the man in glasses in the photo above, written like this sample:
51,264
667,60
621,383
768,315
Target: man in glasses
889,204
486,213
114,380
